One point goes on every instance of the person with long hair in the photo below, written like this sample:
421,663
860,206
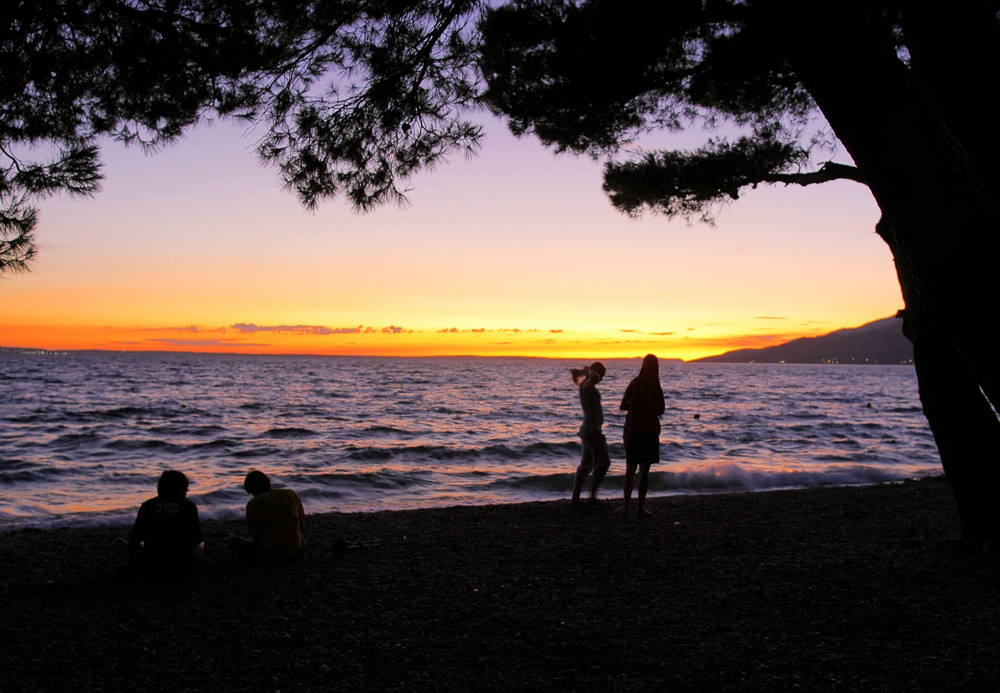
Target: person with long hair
643,400
595,457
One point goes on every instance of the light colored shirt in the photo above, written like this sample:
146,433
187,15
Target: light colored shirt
276,522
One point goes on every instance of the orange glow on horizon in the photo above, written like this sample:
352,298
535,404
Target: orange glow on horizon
395,341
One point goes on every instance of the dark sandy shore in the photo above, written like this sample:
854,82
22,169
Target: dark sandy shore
857,589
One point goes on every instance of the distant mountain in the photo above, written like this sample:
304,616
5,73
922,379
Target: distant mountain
881,341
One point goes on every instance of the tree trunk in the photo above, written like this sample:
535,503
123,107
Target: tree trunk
965,427
940,217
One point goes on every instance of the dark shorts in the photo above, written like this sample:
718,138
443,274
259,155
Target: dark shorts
642,448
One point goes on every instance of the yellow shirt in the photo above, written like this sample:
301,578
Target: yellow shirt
276,522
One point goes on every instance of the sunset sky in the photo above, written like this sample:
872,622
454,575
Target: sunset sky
515,251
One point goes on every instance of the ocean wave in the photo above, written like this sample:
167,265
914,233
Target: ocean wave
130,444
736,477
712,478
386,429
497,451
27,475
290,432
184,429
335,484
365,454
257,451
217,444
75,440
569,448
537,484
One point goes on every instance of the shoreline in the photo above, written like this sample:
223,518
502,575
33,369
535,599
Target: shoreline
121,520
846,588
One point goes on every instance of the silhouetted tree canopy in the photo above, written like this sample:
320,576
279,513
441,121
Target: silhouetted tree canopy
591,77
353,95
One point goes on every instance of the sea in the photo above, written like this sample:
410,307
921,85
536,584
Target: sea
84,435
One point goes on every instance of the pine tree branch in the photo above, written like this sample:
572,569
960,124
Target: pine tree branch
826,173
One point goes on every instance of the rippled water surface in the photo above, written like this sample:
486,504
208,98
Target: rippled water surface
84,435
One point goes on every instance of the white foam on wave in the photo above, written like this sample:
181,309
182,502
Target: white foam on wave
729,476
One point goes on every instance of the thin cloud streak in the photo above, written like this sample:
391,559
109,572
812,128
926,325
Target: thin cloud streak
320,330
323,330
205,343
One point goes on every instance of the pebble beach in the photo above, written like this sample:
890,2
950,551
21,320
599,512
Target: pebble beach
824,589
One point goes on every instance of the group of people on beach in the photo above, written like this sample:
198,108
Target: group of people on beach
643,401
166,537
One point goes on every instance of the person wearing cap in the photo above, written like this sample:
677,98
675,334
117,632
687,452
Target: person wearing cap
595,458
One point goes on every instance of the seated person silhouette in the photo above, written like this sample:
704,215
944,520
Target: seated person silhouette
275,521
166,536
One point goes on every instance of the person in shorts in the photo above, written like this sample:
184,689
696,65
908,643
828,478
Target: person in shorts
595,458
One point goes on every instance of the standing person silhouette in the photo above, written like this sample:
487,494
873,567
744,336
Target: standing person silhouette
643,400
595,457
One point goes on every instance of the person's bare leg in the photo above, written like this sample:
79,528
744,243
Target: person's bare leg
577,486
581,475
629,481
600,470
643,487
594,485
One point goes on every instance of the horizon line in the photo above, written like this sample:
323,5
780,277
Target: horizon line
317,355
